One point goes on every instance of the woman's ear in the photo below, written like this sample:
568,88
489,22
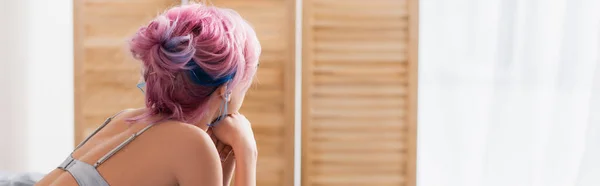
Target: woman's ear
224,93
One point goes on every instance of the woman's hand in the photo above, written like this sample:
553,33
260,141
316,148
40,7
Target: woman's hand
235,130
225,151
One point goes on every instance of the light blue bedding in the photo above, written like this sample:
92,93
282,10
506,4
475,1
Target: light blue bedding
19,179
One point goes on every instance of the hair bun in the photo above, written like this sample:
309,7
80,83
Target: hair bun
175,50
159,49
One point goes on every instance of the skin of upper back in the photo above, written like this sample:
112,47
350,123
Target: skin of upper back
166,153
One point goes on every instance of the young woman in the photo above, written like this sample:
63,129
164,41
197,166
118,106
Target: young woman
198,63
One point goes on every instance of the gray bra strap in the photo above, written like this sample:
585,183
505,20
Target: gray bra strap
65,164
97,130
84,174
120,146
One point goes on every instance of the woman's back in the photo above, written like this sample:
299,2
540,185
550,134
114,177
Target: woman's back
152,158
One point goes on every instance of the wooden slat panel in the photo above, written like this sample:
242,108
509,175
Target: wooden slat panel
356,87
106,72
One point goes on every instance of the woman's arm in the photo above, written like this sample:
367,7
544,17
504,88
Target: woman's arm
236,131
227,159
228,167
245,169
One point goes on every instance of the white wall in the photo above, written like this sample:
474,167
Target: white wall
36,84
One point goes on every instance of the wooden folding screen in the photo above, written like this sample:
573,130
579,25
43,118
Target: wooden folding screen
359,92
106,76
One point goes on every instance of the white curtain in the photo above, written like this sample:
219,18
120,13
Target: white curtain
36,84
509,93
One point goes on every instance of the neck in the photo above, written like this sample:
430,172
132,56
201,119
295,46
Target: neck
212,113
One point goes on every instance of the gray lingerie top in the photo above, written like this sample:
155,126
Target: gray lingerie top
86,174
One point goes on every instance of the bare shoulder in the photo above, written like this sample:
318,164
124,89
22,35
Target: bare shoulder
194,154
187,141
177,135
184,133
170,130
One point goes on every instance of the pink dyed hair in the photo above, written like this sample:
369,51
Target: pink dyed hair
218,40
